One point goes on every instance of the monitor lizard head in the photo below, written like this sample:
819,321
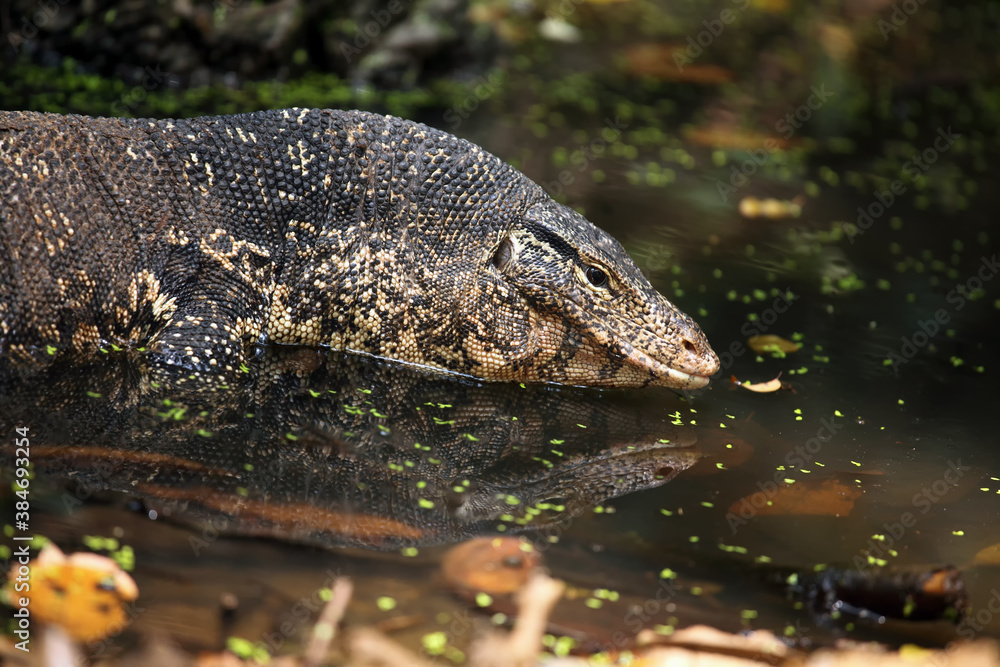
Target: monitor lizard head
451,258
573,308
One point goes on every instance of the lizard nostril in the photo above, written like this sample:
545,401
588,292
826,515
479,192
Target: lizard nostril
688,345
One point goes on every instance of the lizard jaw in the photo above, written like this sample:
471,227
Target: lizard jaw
662,373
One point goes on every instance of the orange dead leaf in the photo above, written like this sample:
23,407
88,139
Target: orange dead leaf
761,387
490,564
82,593
829,497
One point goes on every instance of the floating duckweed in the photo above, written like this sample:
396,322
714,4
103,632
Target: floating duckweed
385,603
410,552
435,642
247,650
563,645
728,548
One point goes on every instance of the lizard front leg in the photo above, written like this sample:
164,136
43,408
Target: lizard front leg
219,313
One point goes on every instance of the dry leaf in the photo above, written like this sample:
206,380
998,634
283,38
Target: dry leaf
83,593
761,387
490,564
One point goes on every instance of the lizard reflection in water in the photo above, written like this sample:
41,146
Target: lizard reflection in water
338,450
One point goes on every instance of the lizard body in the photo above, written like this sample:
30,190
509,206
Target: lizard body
195,239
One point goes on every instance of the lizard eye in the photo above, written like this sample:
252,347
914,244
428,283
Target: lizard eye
502,255
596,276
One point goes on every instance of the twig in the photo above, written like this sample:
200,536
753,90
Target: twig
326,626
521,646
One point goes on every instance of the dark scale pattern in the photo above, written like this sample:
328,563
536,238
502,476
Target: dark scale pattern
196,238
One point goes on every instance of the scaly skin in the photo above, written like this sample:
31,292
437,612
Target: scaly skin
194,239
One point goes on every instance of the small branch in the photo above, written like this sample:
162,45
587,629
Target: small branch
520,648
326,626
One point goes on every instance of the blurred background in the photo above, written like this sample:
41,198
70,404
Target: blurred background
750,154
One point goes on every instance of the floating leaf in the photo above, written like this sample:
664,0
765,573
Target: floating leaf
761,387
494,565
769,343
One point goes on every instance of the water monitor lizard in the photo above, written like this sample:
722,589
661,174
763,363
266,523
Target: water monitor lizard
193,239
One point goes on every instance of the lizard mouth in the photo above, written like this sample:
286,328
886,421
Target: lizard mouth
663,374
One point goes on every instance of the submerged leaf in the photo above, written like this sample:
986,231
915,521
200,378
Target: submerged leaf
770,343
